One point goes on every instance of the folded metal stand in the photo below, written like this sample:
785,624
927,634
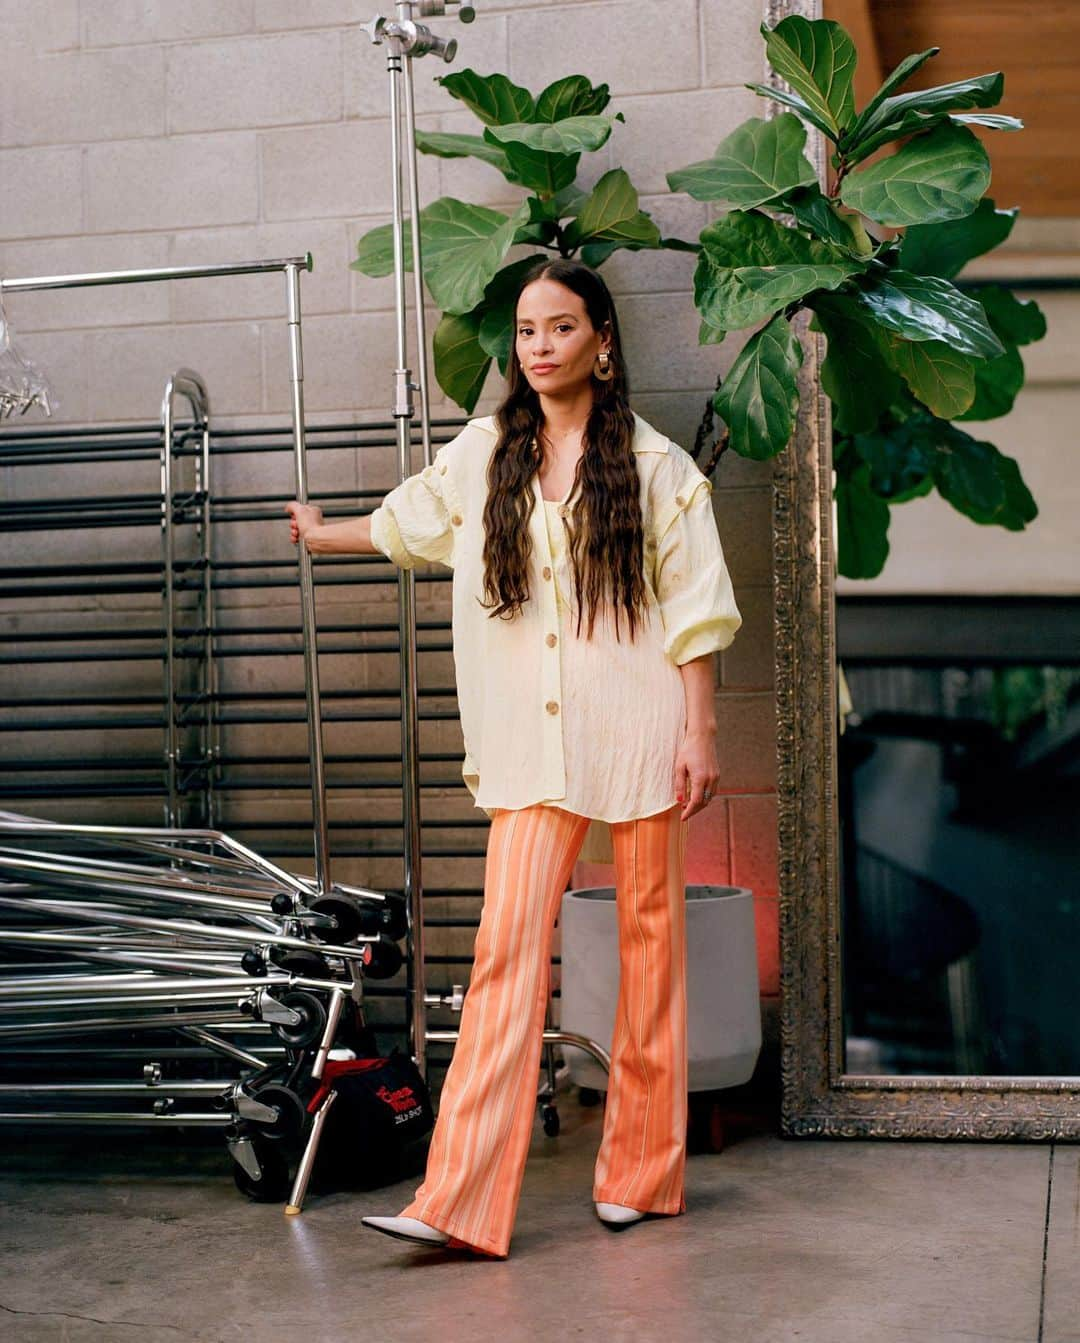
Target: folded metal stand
153,934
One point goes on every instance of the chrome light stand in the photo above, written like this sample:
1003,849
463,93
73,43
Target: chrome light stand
405,39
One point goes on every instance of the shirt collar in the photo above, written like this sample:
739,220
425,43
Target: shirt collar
646,438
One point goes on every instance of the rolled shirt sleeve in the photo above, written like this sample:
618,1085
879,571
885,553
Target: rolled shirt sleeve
692,584
416,521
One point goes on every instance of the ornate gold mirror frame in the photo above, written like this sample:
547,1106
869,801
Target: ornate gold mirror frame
820,1099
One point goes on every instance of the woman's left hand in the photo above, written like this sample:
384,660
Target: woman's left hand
697,771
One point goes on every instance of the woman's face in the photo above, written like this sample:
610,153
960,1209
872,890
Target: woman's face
556,343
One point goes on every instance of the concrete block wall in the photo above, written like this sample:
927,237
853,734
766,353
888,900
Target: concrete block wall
146,133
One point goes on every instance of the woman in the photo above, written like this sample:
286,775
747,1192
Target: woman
590,593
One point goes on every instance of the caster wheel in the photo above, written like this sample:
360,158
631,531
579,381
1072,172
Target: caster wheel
292,1116
382,959
273,1184
352,919
587,1096
312,1021
295,961
550,1117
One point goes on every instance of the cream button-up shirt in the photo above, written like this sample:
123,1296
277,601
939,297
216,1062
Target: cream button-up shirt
589,725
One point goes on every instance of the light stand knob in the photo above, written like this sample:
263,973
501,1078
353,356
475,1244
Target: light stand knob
375,29
430,9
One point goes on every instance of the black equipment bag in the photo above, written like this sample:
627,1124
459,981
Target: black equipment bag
378,1128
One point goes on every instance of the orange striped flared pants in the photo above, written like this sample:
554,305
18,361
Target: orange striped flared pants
476,1160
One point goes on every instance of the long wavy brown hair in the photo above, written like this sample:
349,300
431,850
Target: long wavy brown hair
606,533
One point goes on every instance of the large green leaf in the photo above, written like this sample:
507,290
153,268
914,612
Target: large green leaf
817,58
923,307
980,481
494,99
1016,321
862,526
546,174
462,146
758,162
572,135
573,96
543,233
900,457
966,474
900,75
710,335
992,120
750,265
1020,507
915,121
375,250
793,101
759,397
568,201
945,248
941,377
855,374
939,175
815,211
997,382
461,364
611,214
464,245
979,91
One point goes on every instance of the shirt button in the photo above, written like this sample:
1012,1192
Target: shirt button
551,641
546,571
680,500
563,510
456,519
442,468
552,706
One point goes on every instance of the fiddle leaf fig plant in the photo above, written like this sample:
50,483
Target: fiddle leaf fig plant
873,256
536,142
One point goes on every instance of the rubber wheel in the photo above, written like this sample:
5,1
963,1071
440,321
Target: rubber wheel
294,961
350,919
273,1184
292,1116
550,1117
312,1021
382,959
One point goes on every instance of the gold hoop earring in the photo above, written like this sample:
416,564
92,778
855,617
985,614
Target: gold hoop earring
605,372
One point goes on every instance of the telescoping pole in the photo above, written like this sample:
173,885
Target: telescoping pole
406,39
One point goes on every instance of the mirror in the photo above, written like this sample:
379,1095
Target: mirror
928,720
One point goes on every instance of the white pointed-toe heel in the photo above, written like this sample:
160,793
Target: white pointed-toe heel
617,1214
408,1228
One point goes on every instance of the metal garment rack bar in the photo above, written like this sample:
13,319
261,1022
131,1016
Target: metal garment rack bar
190,385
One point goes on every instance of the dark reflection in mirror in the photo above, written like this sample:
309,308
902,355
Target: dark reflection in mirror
958,800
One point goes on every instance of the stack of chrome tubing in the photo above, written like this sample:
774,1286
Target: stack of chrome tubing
118,943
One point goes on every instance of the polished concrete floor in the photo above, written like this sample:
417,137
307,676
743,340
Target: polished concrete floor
783,1239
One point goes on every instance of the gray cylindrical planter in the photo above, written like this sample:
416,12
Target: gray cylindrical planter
722,991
